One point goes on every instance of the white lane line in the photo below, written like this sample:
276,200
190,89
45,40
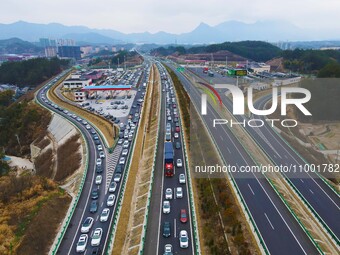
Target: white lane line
302,181
269,221
97,217
221,137
286,156
175,228
251,189
311,191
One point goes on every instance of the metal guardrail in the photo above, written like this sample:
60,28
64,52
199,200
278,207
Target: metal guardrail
76,199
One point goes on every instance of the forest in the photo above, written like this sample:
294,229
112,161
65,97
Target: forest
31,72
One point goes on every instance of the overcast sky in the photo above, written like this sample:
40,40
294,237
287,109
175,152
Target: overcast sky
174,16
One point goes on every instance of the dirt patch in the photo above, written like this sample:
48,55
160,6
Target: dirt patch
30,213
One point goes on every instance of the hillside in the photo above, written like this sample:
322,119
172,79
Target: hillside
17,46
253,50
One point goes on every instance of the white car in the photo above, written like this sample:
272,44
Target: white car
113,187
167,249
183,239
179,192
87,225
126,144
96,237
168,193
166,207
176,135
101,154
117,177
99,162
125,152
88,127
104,216
122,161
120,141
99,147
99,179
111,200
179,163
82,242
181,178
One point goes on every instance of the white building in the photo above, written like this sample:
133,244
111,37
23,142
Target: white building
79,96
283,82
259,67
76,83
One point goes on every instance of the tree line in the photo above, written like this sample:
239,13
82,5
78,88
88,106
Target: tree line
31,72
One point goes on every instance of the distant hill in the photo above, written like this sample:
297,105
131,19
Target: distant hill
254,50
17,46
203,34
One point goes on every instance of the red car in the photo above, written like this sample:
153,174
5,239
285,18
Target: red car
177,129
174,106
184,217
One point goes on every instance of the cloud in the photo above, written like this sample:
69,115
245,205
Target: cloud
175,16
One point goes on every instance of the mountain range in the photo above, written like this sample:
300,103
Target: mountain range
272,31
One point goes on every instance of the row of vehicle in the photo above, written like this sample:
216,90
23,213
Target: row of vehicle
171,195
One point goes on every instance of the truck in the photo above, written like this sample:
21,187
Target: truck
168,159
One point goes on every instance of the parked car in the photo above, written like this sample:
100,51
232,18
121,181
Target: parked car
117,177
93,207
104,216
183,239
87,224
111,200
96,237
181,178
113,187
179,163
122,161
179,192
82,243
99,179
166,207
183,216
95,194
99,162
166,229
168,193
168,249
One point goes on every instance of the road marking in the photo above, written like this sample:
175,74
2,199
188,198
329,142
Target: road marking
311,191
228,150
286,156
251,189
97,217
221,137
175,228
302,181
102,204
269,221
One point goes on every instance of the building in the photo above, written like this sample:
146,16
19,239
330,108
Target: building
286,81
93,75
76,83
259,67
50,52
69,52
79,96
86,50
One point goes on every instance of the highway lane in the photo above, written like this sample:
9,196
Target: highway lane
322,199
68,244
280,231
155,241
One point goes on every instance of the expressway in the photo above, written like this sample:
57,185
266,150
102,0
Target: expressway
155,241
324,201
82,210
280,231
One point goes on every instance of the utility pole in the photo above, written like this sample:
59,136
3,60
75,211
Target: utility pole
226,62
